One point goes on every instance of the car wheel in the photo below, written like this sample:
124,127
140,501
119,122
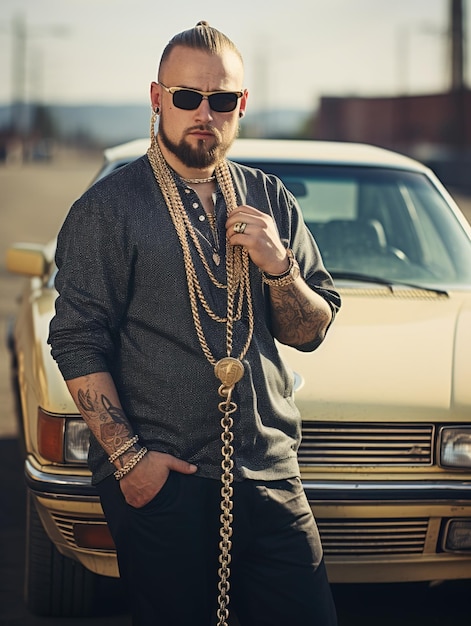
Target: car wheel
55,586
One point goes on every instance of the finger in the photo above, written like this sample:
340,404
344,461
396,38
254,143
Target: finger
239,228
178,465
243,213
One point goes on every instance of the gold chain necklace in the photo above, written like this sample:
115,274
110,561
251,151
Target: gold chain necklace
198,181
229,370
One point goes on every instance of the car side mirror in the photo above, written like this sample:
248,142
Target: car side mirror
27,259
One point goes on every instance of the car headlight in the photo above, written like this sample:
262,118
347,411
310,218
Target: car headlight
455,447
76,441
62,439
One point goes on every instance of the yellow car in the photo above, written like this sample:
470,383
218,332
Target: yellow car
385,401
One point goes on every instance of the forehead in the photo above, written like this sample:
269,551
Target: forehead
187,67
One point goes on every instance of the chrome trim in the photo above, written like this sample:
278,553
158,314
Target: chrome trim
387,491
389,486
58,486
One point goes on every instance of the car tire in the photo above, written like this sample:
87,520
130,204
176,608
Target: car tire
55,585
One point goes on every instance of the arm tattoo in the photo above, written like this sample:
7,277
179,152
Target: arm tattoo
114,427
297,319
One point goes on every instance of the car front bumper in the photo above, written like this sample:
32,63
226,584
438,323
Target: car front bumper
392,531
68,504
389,531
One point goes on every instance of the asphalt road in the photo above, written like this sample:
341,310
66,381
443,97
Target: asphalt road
33,201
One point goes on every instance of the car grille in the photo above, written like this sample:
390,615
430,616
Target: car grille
65,525
366,444
372,536
341,537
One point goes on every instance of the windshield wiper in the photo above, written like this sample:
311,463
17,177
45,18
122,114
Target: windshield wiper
377,280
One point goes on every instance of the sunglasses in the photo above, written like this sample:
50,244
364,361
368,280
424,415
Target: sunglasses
190,99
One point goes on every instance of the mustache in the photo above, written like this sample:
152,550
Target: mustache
207,128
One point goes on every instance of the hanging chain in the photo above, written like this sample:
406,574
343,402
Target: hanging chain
228,369
227,407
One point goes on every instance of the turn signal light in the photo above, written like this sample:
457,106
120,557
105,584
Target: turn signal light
93,536
51,436
458,535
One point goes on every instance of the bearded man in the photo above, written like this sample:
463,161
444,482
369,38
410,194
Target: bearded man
176,274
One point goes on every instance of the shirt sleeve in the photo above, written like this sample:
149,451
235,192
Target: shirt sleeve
94,273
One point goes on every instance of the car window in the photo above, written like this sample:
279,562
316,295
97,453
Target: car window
382,222
323,200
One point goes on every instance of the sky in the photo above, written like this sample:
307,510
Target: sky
295,51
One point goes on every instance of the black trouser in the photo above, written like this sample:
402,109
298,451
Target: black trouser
168,554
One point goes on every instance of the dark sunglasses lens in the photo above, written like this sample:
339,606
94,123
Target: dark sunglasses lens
186,99
223,102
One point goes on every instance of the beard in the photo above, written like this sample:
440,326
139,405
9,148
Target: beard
203,155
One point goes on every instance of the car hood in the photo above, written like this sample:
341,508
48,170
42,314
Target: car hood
397,356
390,355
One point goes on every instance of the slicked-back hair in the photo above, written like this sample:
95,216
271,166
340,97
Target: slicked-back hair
201,37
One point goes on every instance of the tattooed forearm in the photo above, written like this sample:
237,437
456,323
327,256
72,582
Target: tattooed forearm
114,427
299,314
97,401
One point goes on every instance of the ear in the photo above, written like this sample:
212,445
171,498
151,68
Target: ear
243,103
155,95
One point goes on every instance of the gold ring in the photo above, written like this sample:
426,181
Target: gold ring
239,227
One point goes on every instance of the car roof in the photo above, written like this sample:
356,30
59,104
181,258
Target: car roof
300,151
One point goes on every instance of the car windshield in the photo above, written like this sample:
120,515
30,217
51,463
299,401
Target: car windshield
382,223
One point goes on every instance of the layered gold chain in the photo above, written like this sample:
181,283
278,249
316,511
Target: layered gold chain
229,370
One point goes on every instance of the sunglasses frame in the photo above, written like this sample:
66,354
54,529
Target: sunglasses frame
205,95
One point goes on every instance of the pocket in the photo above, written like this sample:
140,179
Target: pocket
165,496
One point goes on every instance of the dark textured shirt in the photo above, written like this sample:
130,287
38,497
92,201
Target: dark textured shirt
123,307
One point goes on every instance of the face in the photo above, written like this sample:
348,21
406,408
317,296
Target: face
201,137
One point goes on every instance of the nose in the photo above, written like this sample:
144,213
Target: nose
204,111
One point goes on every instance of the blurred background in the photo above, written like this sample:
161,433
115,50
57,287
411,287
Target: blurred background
75,77
76,73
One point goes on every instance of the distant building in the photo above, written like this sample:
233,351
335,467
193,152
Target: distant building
433,128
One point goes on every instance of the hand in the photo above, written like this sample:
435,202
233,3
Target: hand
260,238
149,476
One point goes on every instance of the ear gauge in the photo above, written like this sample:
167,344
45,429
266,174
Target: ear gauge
241,113
156,110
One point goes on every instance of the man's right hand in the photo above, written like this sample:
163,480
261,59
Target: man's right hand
149,476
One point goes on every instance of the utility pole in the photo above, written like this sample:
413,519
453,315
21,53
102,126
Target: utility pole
457,43
21,36
458,93
18,88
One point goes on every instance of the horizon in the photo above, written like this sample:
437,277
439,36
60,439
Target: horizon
340,48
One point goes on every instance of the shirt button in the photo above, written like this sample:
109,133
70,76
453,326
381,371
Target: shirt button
195,205
201,218
187,190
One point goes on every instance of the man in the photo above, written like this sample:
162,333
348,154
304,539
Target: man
176,274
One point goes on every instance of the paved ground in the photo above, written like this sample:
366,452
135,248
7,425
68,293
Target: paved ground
33,201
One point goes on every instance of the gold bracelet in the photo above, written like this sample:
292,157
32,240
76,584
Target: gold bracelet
131,464
120,451
288,277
